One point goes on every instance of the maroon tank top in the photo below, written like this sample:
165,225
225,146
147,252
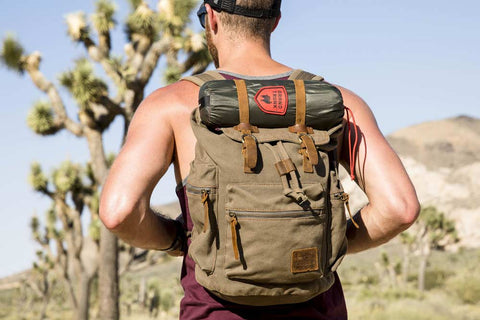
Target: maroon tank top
198,303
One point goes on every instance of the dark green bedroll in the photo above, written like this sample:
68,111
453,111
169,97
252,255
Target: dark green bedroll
271,104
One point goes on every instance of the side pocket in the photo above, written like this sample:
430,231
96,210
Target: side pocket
338,225
202,203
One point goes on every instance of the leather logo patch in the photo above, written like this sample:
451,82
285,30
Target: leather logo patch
272,100
304,260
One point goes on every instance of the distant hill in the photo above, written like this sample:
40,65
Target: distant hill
443,161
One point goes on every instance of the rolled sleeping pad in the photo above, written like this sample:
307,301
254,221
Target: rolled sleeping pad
271,104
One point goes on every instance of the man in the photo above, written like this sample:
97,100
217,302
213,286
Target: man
160,134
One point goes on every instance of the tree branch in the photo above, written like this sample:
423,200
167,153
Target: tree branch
41,82
141,45
101,54
158,48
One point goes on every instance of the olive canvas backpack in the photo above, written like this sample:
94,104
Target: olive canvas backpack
263,190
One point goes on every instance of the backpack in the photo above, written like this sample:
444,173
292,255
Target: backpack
263,191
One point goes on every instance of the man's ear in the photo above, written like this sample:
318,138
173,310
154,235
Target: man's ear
212,18
277,20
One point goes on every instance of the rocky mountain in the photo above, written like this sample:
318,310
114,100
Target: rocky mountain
443,161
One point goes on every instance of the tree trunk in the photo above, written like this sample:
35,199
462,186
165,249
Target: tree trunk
393,276
43,311
108,276
405,264
422,267
108,263
142,292
83,297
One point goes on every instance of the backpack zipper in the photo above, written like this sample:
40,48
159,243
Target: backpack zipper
278,214
204,192
206,206
198,190
233,228
345,197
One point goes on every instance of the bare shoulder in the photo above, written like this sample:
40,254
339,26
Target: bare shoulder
364,132
169,100
164,105
362,116
355,103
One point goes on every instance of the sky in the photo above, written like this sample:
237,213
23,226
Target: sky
411,61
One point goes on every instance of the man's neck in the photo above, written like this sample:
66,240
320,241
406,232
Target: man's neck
248,58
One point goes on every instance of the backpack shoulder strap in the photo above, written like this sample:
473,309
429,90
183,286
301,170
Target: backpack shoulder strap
200,79
298,74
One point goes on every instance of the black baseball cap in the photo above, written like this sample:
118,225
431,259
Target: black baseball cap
230,6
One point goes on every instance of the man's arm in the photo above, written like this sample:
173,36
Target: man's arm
393,204
145,157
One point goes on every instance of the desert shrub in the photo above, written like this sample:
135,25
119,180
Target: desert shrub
435,278
466,287
166,299
405,313
389,294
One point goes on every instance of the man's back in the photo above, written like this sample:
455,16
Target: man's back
160,134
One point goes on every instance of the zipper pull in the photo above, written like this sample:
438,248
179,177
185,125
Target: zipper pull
345,197
233,227
206,206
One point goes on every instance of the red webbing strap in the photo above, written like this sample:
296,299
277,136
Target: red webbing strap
352,151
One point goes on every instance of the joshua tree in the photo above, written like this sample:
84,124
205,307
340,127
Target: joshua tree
42,280
151,35
432,231
66,248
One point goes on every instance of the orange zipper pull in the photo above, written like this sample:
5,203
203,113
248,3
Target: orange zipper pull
206,206
233,227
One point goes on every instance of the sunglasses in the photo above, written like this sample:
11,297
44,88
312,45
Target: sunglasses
202,13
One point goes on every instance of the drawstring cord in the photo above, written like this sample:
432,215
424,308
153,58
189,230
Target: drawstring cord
352,151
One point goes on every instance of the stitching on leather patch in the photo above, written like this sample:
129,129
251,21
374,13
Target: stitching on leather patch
304,260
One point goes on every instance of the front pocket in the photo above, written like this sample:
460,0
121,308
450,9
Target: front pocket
285,245
202,205
275,247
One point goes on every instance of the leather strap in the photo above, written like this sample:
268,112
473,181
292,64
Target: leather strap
243,106
307,146
301,102
300,109
309,152
285,166
249,151
249,147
